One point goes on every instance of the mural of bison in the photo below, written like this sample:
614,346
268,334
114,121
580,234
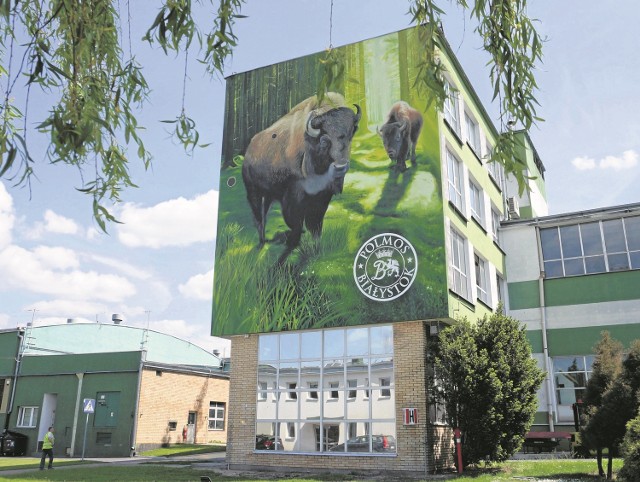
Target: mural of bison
300,161
400,134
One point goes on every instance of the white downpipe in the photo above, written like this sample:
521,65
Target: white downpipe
545,346
75,414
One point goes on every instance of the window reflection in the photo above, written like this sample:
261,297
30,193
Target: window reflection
333,392
268,347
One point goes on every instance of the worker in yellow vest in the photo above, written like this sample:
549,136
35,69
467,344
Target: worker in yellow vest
47,448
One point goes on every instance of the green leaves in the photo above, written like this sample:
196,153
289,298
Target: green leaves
488,383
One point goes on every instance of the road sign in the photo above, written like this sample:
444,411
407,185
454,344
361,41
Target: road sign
410,416
89,405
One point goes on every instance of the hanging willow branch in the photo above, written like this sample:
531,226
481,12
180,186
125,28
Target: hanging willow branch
73,49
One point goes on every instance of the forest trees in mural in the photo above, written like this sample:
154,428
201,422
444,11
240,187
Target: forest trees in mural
261,282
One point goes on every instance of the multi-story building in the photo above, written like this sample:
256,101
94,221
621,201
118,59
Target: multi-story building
126,389
330,329
570,277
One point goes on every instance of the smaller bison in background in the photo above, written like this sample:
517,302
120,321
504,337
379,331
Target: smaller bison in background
400,134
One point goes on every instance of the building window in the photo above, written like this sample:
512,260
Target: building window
352,384
385,382
454,174
334,394
173,425
262,390
571,374
27,417
482,280
291,394
103,438
589,248
500,289
496,170
452,108
476,201
473,134
495,225
313,390
332,369
459,265
216,415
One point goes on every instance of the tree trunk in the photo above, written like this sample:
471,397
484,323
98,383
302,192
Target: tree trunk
600,469
610,464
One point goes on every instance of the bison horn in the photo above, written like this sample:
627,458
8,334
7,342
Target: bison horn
313,132
358,112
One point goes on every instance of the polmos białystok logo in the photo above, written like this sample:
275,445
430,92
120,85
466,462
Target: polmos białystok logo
385,267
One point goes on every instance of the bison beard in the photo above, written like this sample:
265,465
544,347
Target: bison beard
400,134
300,161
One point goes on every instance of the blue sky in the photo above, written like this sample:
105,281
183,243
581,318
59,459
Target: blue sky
157,267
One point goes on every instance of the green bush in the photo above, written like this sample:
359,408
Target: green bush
630,471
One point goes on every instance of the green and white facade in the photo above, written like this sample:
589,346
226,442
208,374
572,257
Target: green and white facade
570,277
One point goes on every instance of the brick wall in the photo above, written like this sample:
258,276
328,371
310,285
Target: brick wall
168,396
410,345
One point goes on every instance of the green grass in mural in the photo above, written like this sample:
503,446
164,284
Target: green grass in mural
314,288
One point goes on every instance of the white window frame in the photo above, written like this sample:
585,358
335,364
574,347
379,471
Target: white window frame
452,107
352,385
334,392
473,133
291,391
459,265
483,289
313,391
455,181
219,410
262,391
495,224
476,202
28,417
291,430
385,387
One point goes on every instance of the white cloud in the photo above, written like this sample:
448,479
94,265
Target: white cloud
177,222
628,160
199,287
126,268
56,257
55,223
23,269
195,333
65,308
5,321
584,163
7,216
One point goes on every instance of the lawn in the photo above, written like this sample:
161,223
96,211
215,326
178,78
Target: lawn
184,449
554,470
14,463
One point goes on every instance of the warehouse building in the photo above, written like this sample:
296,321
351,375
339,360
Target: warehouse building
128,389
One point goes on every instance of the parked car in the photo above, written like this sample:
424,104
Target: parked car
381,443
268,442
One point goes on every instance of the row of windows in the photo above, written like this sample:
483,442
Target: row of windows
594,247
461,272
477,204
453,106
310,391
337,396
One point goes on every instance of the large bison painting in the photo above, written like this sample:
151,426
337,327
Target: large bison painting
400,133
300,161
